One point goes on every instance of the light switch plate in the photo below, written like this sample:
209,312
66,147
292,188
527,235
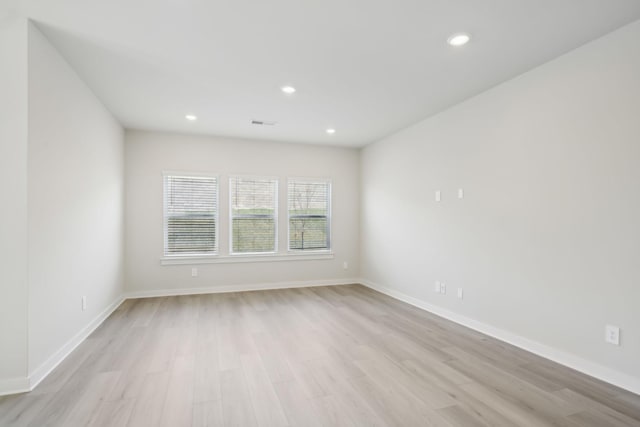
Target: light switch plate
438,196
612,335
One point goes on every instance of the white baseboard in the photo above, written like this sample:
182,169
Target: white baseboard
14,386
572,361
20,385
238,288
55,359
26,384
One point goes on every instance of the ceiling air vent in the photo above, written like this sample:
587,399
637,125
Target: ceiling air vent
262,123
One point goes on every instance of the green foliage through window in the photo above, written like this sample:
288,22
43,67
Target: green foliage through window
309,215
253,214
191,210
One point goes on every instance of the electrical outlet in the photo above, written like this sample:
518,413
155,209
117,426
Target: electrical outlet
194,272
436,289
612,335
84,303
443,288
345,265
460,293
460,193
438,196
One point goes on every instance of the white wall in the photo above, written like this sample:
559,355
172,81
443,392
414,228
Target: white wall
13,210
148,154
75,205
546,242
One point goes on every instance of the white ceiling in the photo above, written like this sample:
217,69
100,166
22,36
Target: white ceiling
365,67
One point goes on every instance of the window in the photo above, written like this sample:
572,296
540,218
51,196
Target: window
309,215
190,215
253,214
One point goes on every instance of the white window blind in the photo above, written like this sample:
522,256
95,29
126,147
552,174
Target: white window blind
309,215
191,215
253,214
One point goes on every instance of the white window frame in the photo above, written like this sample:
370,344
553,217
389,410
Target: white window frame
168,256
244,257
275,213
329,248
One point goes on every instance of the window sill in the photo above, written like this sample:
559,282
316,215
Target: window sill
239,258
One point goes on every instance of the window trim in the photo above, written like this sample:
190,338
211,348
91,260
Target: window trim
311,180
242,258
275,216
245,257
165,223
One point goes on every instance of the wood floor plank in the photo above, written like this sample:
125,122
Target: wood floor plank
587,403
325,356
352,404
518,411
421,400
64,400
266,404
457,416
273,358
237,409
208,414
512,388
228,353
297,407
177,409
207,376
114,413
588,418
86,406
65,371
149,404
390,405
129,386
163,349
330,413
21,409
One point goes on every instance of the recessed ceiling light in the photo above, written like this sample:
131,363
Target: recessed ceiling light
459,39
331,131
190,117
289,90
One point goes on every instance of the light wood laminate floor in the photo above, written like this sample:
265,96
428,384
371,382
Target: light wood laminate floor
332,356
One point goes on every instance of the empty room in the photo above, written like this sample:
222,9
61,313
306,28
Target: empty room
319,213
